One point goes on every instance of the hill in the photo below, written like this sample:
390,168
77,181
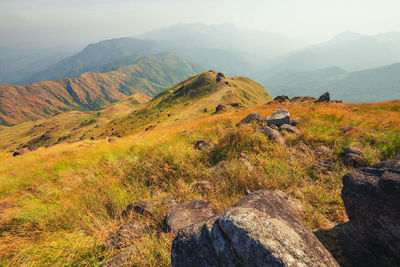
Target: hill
60,205
380,84
197,96
349,51
149,75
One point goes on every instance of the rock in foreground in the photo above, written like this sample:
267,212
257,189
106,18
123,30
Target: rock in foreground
372,200
259,230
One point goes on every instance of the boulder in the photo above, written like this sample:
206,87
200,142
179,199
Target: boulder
289,128
140,207
259,230
19,153
253,118
353,156
325,98
201,144
188,213
272,134
125,235
372,199
279,118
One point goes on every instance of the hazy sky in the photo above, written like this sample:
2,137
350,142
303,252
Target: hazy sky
81,21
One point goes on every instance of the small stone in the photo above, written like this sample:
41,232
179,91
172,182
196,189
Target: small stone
140,207
322,150
289,128
201,144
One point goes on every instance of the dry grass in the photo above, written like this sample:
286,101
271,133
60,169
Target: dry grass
69,197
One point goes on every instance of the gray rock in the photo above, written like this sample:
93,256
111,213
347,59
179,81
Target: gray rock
125,235
272,134
253,118
353,156
281,98
325,98
279,118
140,207
201,144
289,128
188,213
372,199
259,230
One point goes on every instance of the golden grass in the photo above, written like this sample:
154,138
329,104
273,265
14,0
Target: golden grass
69,197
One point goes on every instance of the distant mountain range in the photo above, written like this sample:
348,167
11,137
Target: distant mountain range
349,51
373,85
148,75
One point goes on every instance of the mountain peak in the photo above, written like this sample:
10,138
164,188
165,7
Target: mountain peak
344,37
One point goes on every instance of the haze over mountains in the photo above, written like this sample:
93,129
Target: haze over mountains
351,66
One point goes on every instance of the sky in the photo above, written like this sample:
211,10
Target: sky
79,22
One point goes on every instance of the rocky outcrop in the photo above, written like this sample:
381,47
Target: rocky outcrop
188,213
325,98
201,144
259,230
280,117
253,118
372,199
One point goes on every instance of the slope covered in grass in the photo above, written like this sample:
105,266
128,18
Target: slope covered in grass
148,75
68,198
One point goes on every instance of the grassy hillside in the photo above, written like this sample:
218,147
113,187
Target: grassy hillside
187,99
373,85
60,207
149,75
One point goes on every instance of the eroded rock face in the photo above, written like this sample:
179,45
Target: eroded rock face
259,230
280,117
188,213
372,199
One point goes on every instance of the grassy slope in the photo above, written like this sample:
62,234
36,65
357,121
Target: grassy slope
198,92
66,126
69,197
149,75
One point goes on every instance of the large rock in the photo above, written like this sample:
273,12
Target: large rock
372,200
188,213
253,118
259,230
280,117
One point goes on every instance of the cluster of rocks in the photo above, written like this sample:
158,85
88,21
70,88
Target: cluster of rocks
262,229
325,98
220,76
